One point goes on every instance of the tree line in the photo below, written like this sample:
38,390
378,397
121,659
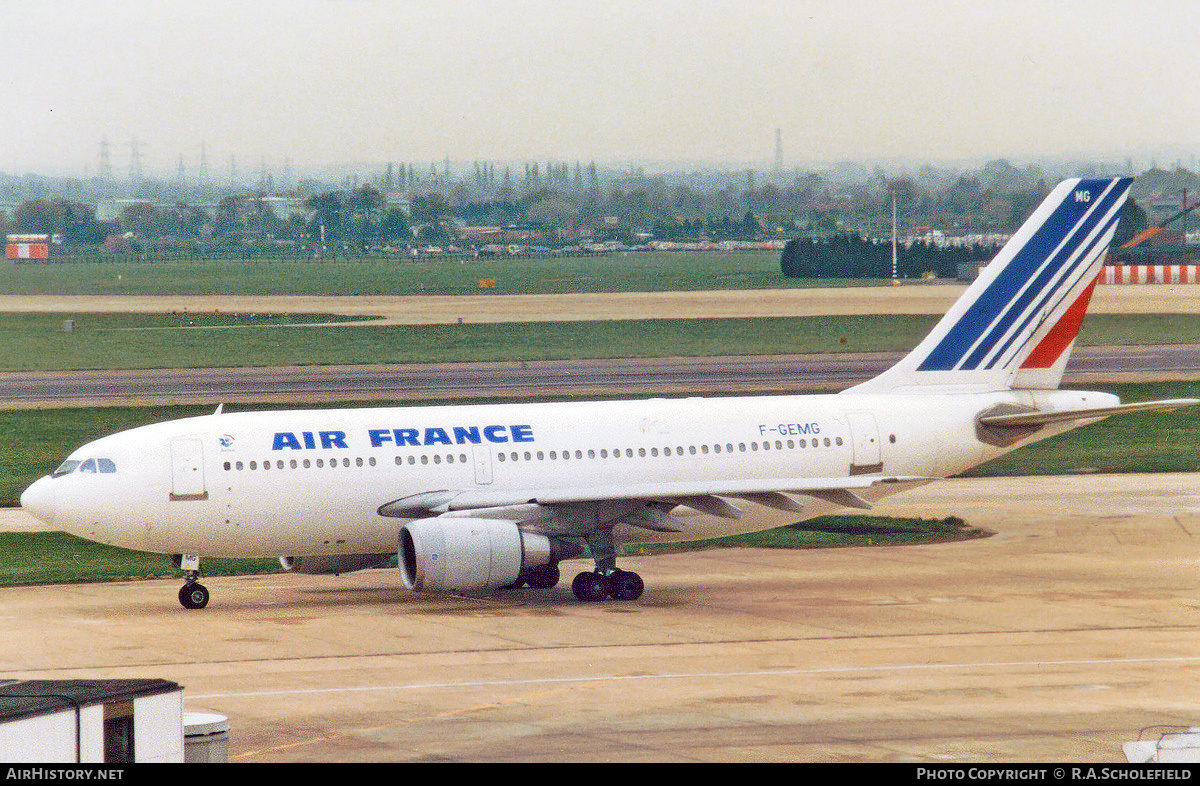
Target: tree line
819,207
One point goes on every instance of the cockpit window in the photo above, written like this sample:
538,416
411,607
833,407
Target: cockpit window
92,465
66,468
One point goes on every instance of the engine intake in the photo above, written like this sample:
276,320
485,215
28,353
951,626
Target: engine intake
461,554
336,564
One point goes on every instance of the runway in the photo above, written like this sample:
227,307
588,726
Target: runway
1057,639
645,376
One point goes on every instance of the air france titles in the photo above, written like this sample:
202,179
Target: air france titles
405,437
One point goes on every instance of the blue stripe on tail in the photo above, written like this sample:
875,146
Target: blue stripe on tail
995,310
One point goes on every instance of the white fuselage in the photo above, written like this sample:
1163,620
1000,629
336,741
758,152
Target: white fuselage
310,482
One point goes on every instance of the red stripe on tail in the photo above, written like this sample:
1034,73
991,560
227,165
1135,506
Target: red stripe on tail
1048,351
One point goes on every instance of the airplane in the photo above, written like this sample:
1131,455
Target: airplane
473,498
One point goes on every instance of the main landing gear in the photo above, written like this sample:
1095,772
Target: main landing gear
607,580
618,584
193,594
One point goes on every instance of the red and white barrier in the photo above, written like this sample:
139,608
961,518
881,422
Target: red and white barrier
1150,274
26,251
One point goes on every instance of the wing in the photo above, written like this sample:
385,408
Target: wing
645,505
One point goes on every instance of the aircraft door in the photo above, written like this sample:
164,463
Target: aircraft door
187,469
482,455
864,443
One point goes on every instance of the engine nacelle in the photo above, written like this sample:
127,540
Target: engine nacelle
461,554
336,564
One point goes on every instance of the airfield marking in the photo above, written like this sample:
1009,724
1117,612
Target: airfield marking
711,675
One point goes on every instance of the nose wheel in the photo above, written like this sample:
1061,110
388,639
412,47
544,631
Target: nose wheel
193,594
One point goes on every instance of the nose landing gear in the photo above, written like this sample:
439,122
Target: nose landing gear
193,594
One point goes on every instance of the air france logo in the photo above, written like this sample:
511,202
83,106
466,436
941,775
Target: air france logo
226,441
455,435
404,437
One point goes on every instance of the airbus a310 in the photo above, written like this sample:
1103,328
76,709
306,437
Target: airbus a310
472,498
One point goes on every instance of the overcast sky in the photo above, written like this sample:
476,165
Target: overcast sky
419,80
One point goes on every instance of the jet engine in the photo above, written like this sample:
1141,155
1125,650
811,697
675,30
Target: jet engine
460,554
336,564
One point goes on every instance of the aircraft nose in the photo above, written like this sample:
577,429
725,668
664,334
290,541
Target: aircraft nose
38,499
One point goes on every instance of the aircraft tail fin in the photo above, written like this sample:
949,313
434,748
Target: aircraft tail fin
1015,325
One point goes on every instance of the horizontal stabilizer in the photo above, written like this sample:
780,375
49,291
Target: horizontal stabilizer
1025,419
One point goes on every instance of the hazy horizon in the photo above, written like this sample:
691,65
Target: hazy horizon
350,82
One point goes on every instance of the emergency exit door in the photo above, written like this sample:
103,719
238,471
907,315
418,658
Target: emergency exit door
482,455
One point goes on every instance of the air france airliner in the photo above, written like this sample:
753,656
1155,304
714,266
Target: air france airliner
479,497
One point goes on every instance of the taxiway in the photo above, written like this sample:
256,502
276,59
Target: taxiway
1056,639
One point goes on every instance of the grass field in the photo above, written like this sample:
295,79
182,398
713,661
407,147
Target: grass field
34,442
619,272
57,558
36,342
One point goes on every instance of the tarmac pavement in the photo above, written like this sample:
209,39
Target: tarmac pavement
1056,639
